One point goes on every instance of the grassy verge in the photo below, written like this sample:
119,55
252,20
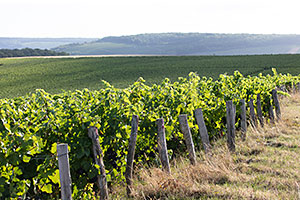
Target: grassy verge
265,166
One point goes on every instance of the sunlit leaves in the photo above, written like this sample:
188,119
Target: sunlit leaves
32,126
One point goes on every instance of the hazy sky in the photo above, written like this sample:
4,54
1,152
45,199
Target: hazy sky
99,18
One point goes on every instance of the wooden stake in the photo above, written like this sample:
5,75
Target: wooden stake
259,111
98,157
243,119
271,114
130,155
185,129
230,118
162,146
64,171
252,114
202,130
277,106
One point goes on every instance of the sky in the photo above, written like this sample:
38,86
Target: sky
100,18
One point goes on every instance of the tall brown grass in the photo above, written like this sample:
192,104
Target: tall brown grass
265,166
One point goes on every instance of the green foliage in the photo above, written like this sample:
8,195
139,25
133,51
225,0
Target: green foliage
5,53
31,126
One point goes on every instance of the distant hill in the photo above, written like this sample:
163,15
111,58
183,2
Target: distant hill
188,44
40,43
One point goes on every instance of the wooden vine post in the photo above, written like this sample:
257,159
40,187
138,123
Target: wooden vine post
98,157
259,111
130,155
243,119
162,145
64,171
202,130
230,118
252,114
271,113
276,103
185,129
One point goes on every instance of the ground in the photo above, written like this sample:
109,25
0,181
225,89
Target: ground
265,166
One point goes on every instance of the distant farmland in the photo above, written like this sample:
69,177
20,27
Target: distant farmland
21,76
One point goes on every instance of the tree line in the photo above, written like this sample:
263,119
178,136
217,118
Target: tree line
187,44
4,53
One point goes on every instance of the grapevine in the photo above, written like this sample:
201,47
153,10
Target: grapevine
31,126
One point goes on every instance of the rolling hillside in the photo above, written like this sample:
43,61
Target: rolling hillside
188,44
21,76
40,43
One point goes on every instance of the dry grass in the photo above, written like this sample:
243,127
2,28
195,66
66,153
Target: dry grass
265,166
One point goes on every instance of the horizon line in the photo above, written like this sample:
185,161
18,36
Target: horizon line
82,37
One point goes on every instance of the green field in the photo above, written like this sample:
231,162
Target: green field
21,76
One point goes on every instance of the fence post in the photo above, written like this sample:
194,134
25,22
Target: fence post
98,157
252,114
185,129
202,130
271,112
243,119
130,155
64,171
276,102
162,145
259,111
230,118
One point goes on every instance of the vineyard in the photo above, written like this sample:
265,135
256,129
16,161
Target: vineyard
33,125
